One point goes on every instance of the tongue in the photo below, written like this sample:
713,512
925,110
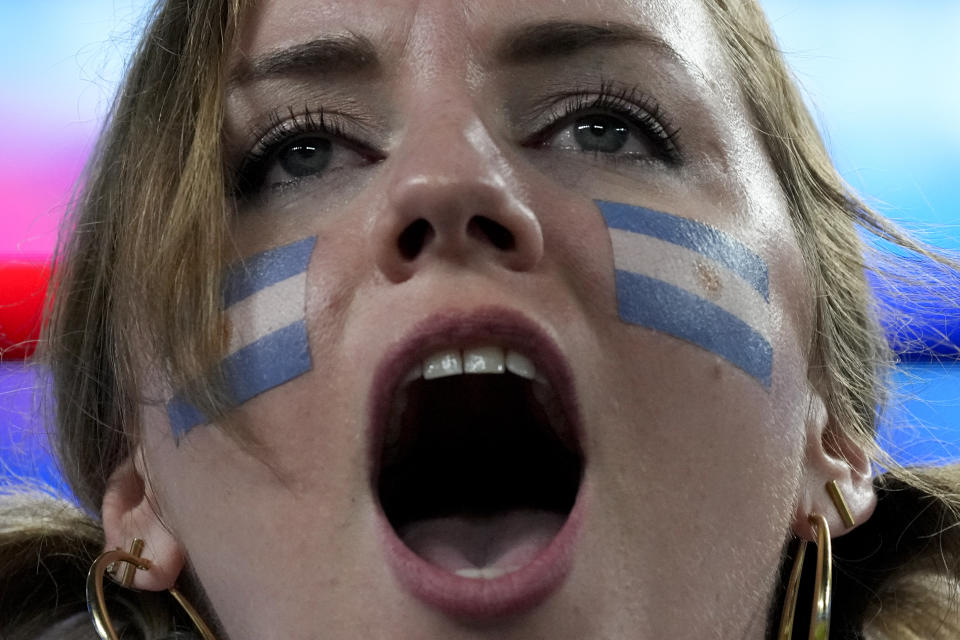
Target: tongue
503,542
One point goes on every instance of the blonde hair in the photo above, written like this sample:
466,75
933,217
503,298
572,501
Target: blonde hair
139,269
139,273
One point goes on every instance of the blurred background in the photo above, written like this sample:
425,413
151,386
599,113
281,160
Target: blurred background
882,76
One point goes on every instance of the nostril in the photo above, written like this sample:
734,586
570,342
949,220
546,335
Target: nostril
492,231
414,238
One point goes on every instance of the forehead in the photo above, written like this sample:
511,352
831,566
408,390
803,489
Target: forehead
431,33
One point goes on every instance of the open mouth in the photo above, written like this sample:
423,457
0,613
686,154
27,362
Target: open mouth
479,468
478,472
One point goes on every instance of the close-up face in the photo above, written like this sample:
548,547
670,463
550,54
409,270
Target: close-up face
519,332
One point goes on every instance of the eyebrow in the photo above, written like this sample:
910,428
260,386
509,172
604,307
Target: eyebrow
350,53
544,40
338,54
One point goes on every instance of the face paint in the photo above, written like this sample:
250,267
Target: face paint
265,300
691,281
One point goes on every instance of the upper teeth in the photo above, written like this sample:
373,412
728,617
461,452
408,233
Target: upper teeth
487,573
489,359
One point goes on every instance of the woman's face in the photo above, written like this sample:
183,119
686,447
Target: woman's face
476,179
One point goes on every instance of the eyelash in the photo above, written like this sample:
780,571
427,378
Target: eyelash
631,104
280,131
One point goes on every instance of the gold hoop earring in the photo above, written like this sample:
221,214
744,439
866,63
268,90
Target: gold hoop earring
108,561
823,587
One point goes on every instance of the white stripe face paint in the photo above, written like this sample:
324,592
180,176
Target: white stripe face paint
271,309
693,272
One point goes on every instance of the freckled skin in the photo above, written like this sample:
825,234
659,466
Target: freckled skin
718,370
694,471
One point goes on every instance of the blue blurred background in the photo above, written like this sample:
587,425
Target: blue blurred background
882,76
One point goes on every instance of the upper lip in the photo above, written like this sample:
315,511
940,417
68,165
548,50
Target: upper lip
460,328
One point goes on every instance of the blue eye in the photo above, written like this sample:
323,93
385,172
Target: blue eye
600,133
606,136
305,157
611,124
305,146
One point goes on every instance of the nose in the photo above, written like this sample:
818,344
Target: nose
451,197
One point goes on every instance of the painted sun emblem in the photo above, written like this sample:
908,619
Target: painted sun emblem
709,279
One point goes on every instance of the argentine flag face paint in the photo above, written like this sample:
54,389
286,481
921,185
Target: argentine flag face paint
265,300
693,282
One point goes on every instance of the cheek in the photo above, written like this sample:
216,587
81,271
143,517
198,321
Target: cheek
691,281
710,364
705,404
265,301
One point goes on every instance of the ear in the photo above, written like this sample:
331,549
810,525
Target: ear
129,512
832,455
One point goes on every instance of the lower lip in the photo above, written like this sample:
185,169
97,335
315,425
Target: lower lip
481,599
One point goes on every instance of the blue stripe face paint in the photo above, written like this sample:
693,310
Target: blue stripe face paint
265,301
694,282
261,270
